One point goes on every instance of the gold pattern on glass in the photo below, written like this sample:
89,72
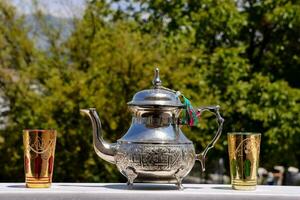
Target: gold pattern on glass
243,151
39,149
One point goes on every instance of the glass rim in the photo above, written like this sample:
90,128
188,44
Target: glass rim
243,133
39,130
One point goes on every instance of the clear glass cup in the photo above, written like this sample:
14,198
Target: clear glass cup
39,152
243,149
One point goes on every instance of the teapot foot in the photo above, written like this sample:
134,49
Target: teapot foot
179,176
179,186
129,185
131,175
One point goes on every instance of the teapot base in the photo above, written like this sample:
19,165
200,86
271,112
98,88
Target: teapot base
178,184
155,163
157,181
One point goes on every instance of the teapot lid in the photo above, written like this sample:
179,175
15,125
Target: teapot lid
157,96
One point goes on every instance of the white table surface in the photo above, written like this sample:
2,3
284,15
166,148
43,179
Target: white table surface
105,191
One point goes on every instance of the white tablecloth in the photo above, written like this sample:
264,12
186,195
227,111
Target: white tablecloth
110,191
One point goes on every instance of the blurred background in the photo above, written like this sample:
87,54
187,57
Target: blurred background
59,56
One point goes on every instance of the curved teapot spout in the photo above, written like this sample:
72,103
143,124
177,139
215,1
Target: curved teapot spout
103,149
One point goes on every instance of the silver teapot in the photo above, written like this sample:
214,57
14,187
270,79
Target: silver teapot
154,149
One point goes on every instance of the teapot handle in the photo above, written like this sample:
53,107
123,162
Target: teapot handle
220,120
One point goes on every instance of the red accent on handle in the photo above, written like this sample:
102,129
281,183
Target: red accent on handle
198,114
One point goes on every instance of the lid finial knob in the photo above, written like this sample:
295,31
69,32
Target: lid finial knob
156,81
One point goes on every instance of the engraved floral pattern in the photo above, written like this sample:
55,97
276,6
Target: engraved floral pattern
156,157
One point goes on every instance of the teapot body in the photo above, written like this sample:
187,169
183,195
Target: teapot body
159,163
154,149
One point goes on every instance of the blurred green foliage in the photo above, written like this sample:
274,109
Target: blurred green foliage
242,55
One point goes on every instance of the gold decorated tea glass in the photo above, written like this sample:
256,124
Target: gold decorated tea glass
243,148
39,149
